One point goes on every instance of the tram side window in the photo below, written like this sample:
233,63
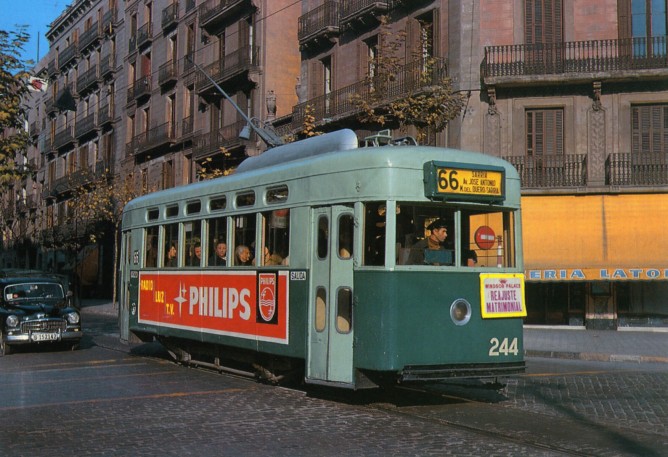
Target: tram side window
276,237
244,240
151,248
218,242
193,243
344,310
171,246
374,234
425,235
346,229
488,238
323,237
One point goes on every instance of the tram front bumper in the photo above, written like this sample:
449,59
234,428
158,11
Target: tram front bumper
466,370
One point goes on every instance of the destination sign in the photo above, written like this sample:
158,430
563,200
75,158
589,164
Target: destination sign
443,180
469,182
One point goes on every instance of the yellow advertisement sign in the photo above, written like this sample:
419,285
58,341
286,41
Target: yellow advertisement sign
464,181
502,295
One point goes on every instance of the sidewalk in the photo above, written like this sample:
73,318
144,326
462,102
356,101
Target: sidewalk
641,345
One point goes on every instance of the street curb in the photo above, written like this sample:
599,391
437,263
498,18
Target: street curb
595,356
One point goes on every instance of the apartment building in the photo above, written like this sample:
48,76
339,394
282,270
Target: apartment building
571,92
134,95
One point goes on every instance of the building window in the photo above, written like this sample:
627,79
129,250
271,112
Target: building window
543,21
544,132
649,127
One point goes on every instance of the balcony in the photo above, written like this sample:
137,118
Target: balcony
156,137
320,26
107,66
108,21
140,90
52,68
144,35
170,16
209,144
34,128
85,126
68,55
637,169
90,37
50,105
362,12
64,137
221,71
215,13
576,61
549,171
187,125
167,73
105,115
87,81
344,102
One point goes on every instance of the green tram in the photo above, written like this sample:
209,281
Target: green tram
321,258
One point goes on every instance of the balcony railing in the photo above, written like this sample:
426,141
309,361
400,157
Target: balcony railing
154,137
107,65
566,170
596,56
170,16
141,88
87,80
67,55
85,125
167,73
52,68
213,12
108,20
90,36
187,125
380,90
210,144
144,35
105,114
231,65
352,10
637,169
322,21
63,137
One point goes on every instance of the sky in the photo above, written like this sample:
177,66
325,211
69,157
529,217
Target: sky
37,15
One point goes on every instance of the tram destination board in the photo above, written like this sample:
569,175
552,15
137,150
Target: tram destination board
469,182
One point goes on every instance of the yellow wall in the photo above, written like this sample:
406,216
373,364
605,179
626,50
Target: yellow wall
595,231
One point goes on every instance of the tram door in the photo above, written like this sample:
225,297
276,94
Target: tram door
330,339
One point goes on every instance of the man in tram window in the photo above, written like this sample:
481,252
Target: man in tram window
219,257
196,258
170,259
243,256
430,250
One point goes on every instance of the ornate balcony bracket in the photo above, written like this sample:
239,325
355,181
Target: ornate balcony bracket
596,96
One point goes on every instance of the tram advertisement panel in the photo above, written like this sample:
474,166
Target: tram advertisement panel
243,304
502,295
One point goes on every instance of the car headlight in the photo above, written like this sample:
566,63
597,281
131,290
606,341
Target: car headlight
73,317
460,311
12,320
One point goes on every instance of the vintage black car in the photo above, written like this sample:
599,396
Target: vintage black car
36,308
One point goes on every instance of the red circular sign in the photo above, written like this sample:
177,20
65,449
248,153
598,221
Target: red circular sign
485,237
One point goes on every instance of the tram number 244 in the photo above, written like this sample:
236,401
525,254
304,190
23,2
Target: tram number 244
502,347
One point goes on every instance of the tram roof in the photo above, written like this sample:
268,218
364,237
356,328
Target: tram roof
336,154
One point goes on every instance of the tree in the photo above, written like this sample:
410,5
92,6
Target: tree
429,103
13,88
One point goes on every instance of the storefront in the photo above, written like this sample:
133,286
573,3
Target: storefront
596,260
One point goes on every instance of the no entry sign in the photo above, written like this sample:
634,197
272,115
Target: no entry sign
485,237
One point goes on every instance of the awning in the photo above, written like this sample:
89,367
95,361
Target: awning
595,237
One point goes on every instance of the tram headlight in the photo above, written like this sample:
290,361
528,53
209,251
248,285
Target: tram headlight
460,311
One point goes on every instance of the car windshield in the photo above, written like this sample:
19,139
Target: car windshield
33,291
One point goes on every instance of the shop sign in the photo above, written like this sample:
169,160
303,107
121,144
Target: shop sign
597,274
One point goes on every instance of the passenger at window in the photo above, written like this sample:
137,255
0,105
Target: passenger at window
170,259
438,232
271,259
152,253
243,256
470,258
196,258
219,257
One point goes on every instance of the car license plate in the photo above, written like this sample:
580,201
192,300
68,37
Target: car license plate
45,336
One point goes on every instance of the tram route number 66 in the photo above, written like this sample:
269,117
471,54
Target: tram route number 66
447,179
503,347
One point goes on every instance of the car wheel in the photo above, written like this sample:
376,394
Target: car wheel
5,348
74,346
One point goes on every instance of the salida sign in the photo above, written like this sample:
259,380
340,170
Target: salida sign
241,304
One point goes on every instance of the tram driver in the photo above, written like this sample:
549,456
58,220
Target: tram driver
430,250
